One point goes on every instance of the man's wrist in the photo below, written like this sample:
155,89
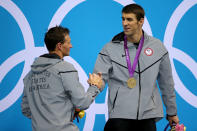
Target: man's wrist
170,116
93,84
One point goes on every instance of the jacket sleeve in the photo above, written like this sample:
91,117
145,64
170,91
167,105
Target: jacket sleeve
73,87
166,84
25,105
103,65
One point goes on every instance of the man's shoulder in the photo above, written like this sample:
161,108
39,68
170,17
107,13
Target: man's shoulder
27,76
64,66
153,40
111,48
150,38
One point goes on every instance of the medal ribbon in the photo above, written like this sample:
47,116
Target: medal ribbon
132,69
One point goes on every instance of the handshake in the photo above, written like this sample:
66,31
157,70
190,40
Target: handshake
96,79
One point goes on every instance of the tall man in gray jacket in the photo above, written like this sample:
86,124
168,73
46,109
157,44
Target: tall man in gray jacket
52,91
131,64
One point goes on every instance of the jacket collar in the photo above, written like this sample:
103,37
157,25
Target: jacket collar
53,56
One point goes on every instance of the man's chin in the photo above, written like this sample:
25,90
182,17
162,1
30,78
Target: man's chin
127,33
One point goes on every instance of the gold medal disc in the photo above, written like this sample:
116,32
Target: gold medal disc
131,82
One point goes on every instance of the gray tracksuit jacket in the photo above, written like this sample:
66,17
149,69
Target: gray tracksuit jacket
52,92
144,100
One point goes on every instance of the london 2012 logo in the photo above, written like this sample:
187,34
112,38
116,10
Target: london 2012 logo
30,52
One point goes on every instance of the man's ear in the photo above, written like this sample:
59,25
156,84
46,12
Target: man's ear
58,46
141,21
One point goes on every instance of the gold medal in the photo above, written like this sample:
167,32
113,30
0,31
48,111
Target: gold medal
81,114
131,82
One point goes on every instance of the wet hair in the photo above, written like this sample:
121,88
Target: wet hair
135,9
55,35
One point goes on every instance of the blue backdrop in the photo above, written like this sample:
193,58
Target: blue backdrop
93,23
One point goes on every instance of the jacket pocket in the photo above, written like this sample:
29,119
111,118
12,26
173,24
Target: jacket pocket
114,102
151,104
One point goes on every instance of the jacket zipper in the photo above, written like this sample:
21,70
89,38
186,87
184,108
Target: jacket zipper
139,90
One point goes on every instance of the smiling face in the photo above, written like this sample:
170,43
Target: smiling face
130,24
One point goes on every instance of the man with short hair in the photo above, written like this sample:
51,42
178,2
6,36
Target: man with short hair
52,91
131,64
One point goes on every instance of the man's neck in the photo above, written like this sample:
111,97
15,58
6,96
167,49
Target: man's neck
136,37
57,53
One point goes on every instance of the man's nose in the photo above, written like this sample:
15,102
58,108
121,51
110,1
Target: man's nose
124,22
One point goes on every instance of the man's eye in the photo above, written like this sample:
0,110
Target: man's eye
130,19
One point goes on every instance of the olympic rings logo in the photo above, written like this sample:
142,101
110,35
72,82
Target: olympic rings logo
178,54
30,52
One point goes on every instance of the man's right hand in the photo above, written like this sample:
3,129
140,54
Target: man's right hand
173,119
95,79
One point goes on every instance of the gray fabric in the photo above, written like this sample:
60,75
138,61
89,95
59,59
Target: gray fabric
144,100
52,91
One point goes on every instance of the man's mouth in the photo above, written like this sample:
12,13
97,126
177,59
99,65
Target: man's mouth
126,29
